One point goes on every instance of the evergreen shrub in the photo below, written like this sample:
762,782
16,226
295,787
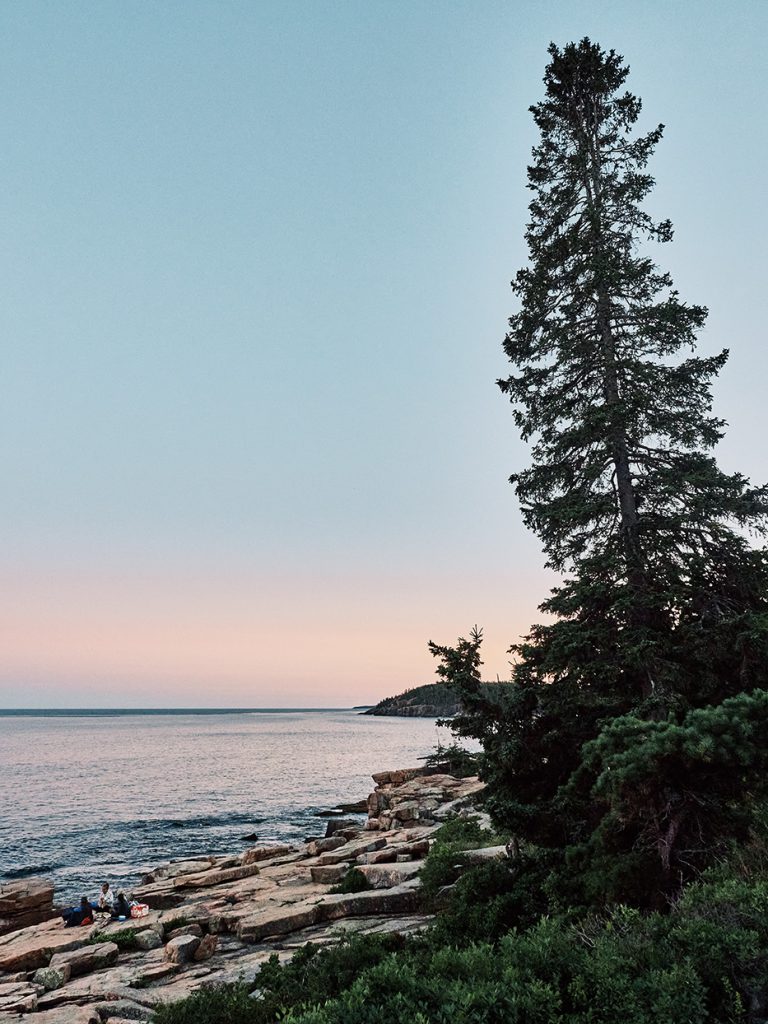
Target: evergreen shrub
353,881
445,861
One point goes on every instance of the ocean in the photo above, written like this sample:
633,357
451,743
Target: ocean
92,796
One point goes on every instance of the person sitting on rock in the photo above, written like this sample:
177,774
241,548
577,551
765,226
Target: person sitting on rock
79,915
122,907
106,898
86,911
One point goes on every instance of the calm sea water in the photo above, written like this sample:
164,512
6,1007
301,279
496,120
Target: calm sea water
92,797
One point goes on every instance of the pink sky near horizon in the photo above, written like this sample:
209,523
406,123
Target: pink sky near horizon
276,641
253,449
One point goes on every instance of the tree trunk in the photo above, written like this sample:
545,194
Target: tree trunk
640,613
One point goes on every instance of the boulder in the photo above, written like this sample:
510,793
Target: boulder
396,852
87,958
221,863
350,851
123,1009
277,921
176,868
182,949
329,874
350,833
417,849
149,975
62,1015
25,894
401,899
397,777
353,807
148,939
259,853
15,976
25,902
195,914
207,947
407,811
385,856
337,824
52,977
486,853
185,929
325,845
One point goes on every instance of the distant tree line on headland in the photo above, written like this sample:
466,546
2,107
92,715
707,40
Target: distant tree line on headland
432,700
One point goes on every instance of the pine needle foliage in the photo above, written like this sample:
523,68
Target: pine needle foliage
663,602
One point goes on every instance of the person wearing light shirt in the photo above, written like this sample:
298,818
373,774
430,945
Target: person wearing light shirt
106,899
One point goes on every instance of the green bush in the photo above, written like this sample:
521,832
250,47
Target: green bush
545,975
489,900
454,758
312,976
220,1004
353,881
442,867
445,861
703,962
706,961
466,831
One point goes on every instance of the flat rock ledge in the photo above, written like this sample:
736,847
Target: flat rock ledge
218,919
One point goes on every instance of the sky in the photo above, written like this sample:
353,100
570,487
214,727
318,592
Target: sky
255,279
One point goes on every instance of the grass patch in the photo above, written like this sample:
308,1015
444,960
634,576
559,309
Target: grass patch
124,940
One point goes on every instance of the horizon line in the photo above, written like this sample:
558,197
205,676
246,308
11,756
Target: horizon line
172,710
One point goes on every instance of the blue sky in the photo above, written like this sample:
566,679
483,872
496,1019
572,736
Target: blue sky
255,282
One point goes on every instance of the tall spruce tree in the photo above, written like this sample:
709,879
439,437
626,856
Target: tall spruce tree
662,607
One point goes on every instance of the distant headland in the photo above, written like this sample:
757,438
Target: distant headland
433,700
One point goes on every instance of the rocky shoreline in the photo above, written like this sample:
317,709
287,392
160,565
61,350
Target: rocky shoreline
218,919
